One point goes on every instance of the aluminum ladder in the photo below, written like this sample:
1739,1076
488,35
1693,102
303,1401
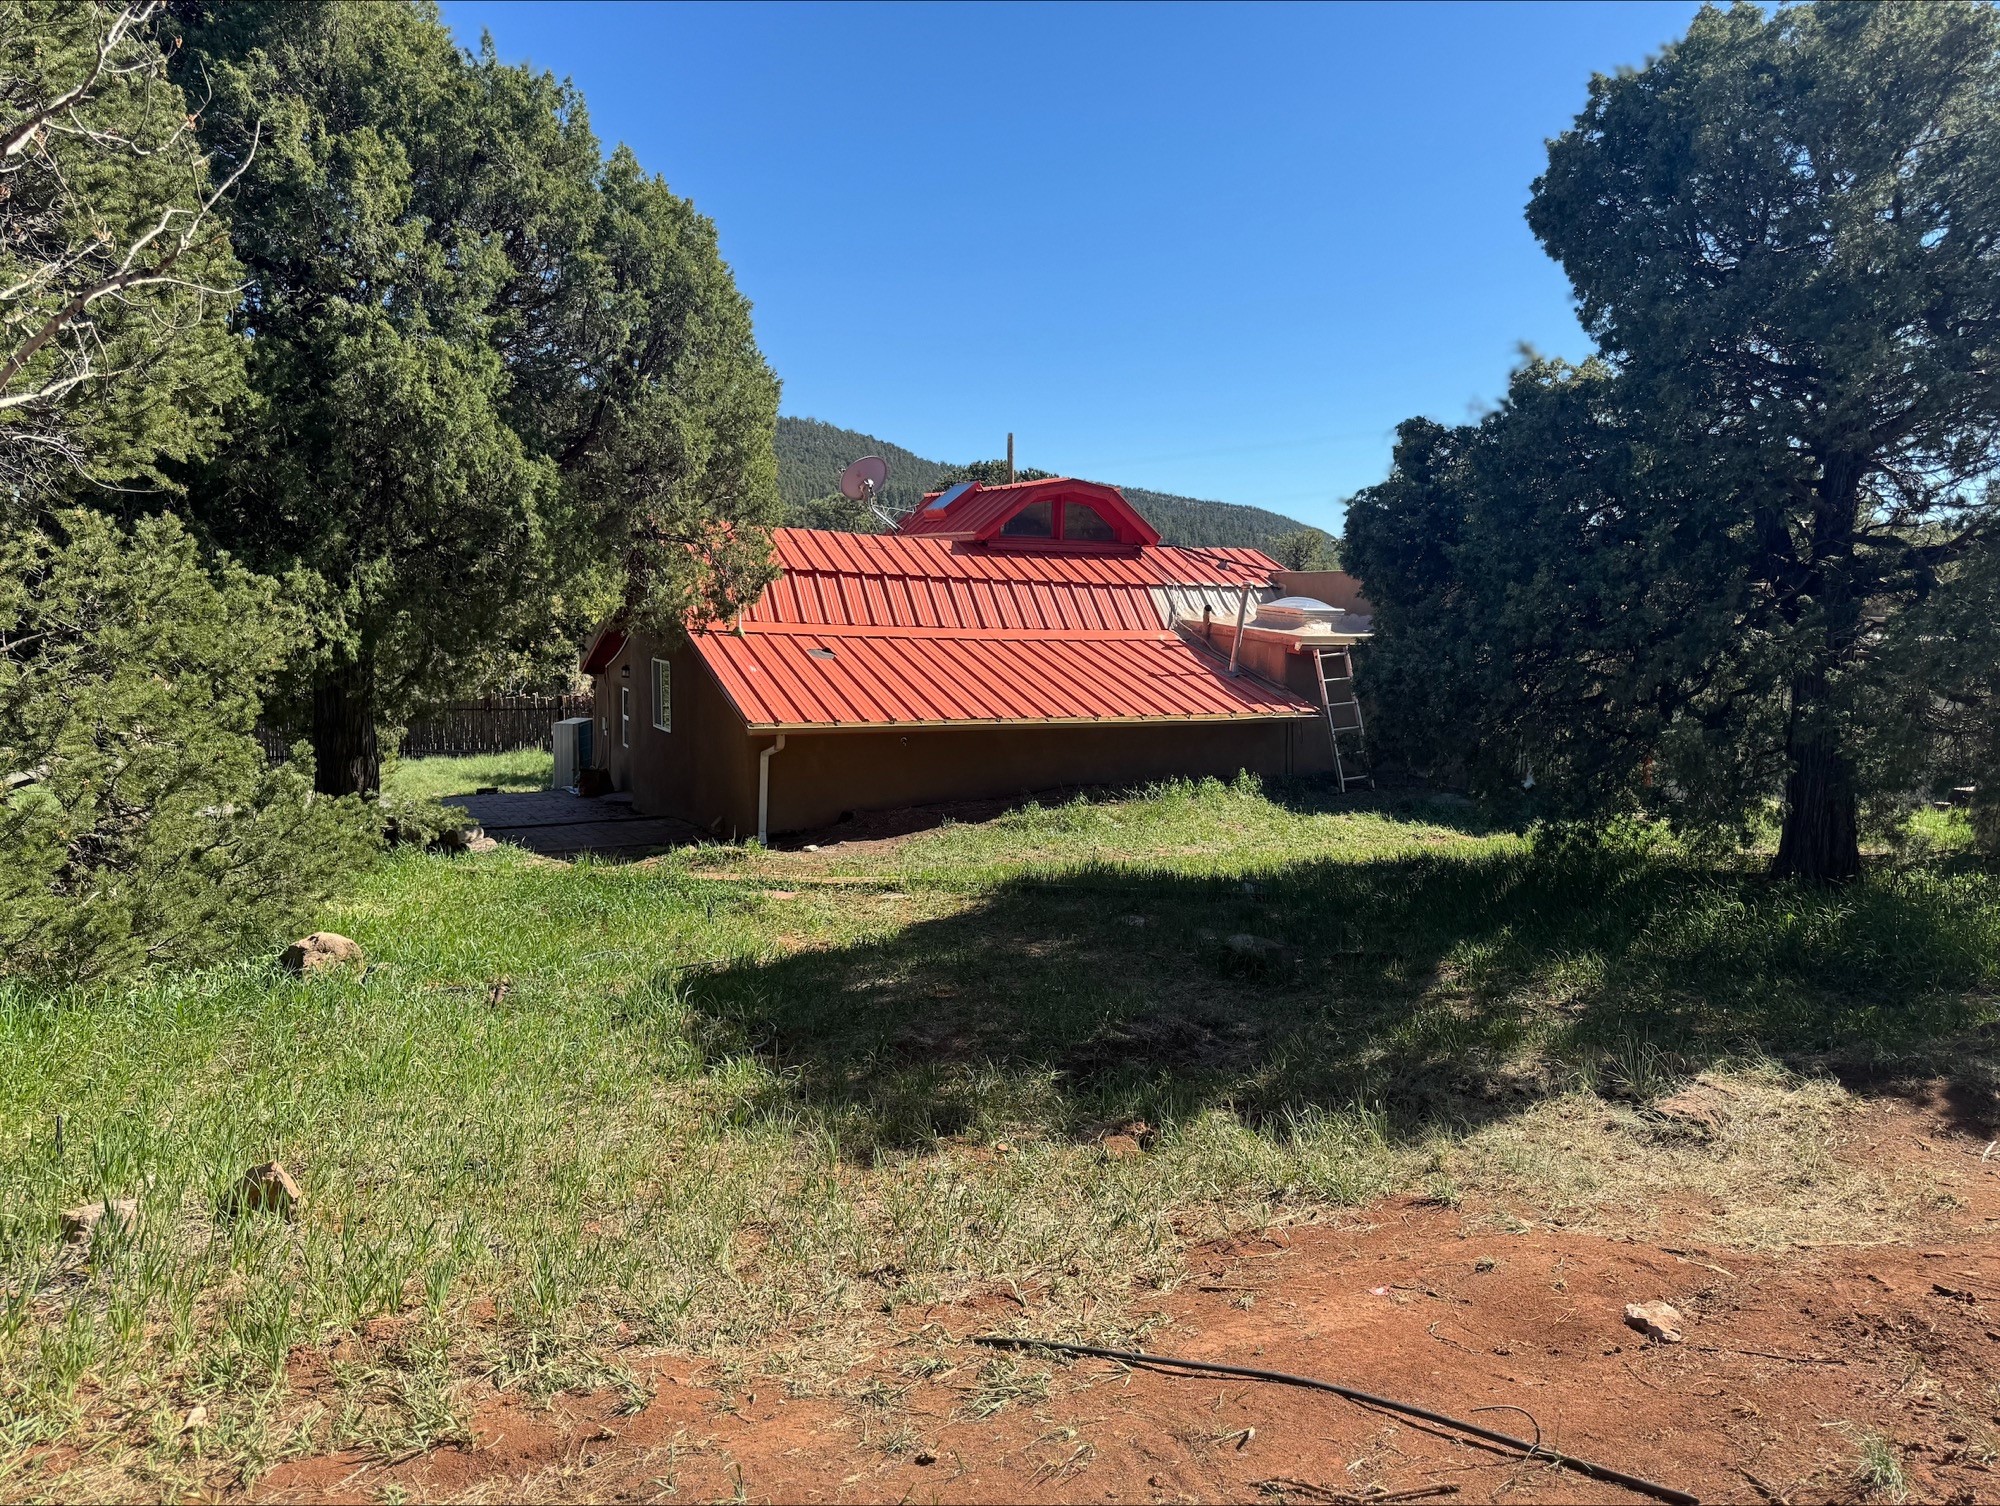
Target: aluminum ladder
1339,711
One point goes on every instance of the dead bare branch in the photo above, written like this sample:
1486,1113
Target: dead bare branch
23,131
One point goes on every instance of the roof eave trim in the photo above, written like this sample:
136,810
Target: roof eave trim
969,724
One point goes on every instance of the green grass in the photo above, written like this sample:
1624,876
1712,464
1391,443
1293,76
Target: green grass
708,1104
523,770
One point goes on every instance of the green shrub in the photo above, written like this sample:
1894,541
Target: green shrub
418,820
139,820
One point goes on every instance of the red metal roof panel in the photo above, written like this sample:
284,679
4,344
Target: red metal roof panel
800,677
885,580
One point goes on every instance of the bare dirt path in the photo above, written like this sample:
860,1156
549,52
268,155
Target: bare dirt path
1811,1374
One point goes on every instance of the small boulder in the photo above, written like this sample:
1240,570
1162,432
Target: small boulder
459,838
1656,1320
322,949
81,1224
268,1188
482,843
1261,947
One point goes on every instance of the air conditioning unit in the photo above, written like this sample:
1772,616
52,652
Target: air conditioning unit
573,750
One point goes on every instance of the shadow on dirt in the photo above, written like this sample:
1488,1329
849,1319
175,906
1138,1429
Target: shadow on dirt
1439,989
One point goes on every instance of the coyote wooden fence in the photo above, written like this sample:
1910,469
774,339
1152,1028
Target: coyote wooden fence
498,724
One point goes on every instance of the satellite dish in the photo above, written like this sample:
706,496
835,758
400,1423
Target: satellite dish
863,479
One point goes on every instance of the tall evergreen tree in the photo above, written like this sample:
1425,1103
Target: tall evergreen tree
491,375
1782,233
139,821
1703,569
1548,617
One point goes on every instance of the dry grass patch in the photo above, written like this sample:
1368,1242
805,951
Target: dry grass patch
1774,1160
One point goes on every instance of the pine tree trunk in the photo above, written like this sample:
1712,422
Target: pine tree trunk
349,762
1821,841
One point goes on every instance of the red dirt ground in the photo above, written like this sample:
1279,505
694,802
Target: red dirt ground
1790,1363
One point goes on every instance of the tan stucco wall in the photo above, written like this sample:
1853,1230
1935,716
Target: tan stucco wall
705,769
1267,658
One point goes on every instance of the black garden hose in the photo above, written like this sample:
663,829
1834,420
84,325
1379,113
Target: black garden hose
1534,1450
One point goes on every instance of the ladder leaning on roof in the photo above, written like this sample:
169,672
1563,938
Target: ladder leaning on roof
1343,716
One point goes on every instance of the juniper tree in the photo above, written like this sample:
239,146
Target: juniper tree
1784,233
1697,572
1547,619
494,379
139,820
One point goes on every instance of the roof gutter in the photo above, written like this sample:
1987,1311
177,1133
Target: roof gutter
764,790
1303,711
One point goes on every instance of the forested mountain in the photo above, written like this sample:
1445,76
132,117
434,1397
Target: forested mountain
811,455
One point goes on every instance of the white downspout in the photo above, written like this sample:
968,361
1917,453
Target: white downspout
764,790
1236,643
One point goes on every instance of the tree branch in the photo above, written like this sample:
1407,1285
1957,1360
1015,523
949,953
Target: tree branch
23,131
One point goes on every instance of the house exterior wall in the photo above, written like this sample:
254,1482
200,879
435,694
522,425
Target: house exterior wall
704,771
1268,659
821,776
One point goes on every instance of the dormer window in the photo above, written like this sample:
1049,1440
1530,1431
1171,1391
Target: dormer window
1083,522
1035,521
1032,515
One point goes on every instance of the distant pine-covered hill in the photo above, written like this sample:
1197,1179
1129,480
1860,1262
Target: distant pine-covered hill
812,454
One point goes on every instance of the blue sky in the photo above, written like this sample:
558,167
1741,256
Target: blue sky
1213,250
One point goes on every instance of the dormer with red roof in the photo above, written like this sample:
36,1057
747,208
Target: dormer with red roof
1059,513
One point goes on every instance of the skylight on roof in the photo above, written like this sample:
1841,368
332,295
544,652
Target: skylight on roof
948,496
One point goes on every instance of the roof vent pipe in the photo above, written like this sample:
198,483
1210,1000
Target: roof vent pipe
764,790
1236,643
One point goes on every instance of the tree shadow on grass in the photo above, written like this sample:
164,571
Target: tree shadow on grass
1321,795
1440,989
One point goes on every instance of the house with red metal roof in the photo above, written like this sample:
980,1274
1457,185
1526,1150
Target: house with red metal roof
1004,640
